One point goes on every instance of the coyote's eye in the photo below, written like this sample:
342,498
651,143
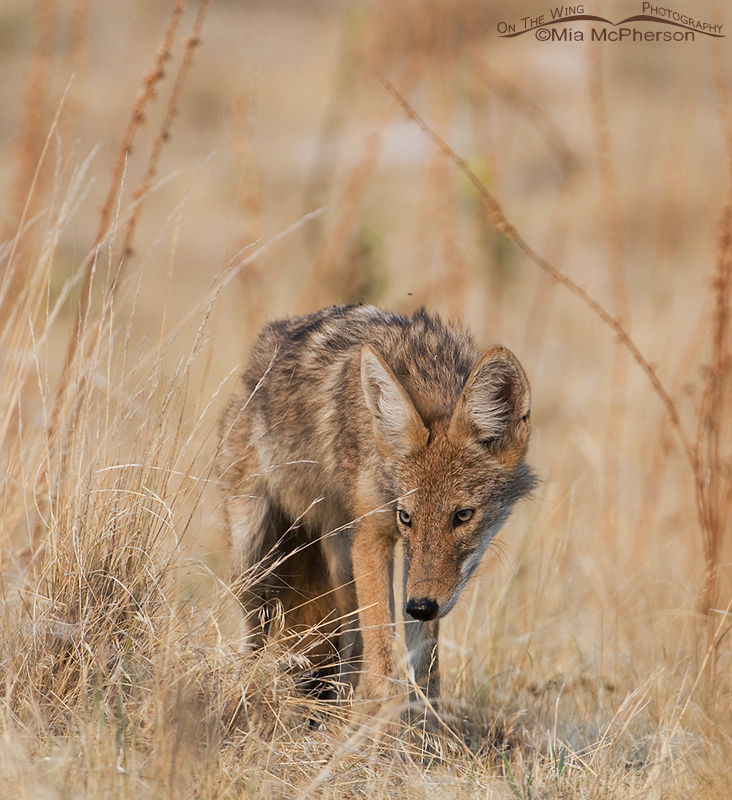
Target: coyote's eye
405,517
463,516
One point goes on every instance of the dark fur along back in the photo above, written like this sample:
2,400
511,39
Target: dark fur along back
432,360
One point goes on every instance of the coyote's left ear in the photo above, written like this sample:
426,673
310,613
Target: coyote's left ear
495,403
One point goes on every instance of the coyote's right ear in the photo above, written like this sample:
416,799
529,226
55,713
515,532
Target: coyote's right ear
398,427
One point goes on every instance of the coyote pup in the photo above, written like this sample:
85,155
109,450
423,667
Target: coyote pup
355,429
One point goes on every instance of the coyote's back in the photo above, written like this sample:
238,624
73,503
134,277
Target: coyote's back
354,429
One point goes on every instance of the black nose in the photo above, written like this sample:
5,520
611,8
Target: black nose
423,609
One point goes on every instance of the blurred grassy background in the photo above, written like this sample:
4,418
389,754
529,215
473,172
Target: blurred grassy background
612,162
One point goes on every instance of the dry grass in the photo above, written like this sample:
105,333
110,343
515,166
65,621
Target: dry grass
592,657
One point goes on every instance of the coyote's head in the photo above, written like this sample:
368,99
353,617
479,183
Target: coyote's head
457,476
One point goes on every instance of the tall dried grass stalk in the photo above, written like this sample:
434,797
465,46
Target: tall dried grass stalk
714,476
714,461
137,117
163,137
103,234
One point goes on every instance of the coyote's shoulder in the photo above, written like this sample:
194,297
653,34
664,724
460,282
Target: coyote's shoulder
353,429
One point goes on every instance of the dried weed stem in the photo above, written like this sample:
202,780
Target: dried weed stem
106,227
714,475
163,136
512,234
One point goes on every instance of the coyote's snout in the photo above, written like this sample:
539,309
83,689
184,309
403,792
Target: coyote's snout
356,429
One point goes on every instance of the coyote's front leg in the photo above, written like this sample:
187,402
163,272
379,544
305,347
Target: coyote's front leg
373,571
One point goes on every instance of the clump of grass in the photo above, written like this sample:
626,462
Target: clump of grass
103,656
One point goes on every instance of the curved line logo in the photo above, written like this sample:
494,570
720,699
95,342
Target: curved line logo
669,26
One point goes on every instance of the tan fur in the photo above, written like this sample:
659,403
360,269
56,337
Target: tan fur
354,430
